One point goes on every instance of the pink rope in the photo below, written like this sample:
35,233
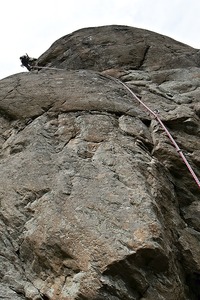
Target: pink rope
156,117
166,130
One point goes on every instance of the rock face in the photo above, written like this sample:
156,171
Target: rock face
95,202
119,46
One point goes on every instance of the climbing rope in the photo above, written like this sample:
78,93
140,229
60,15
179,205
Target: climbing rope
153,113
164,127
46,68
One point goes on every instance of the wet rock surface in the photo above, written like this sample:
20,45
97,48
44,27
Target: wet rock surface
95,202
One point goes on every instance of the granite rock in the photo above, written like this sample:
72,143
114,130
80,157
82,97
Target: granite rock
95,202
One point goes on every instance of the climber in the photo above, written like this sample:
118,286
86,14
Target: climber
27,61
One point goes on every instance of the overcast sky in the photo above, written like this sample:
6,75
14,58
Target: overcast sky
31,27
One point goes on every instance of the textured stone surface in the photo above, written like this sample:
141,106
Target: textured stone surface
108,47
95,202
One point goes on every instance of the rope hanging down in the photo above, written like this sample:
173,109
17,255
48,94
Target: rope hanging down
152,113
165,129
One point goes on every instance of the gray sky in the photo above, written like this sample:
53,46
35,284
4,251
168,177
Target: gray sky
31,27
